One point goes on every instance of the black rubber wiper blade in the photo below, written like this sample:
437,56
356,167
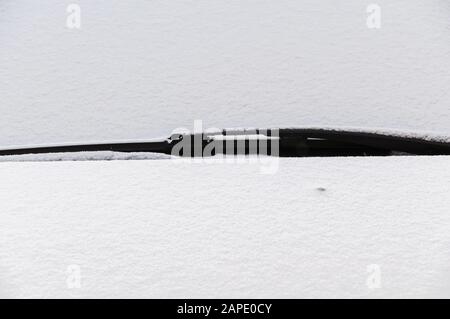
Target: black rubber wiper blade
162,146
328,142
273,142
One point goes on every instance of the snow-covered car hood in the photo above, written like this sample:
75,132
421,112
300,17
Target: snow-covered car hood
162,228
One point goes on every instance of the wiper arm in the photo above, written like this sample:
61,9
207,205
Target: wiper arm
285,143
162,146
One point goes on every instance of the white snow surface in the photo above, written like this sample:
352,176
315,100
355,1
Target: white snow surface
139,69
84,156
181,230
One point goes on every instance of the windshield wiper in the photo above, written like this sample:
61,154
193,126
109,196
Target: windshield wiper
272,142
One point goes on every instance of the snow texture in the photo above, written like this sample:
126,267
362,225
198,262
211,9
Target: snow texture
84,156
182,230
139,70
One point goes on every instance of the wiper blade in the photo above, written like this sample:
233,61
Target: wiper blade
327,142
272,142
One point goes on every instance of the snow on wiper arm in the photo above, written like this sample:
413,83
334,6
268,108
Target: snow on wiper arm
292,142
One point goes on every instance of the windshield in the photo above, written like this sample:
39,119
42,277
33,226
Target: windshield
101,72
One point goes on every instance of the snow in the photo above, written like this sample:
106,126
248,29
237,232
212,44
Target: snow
316,227
140,70
84,156
182,230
